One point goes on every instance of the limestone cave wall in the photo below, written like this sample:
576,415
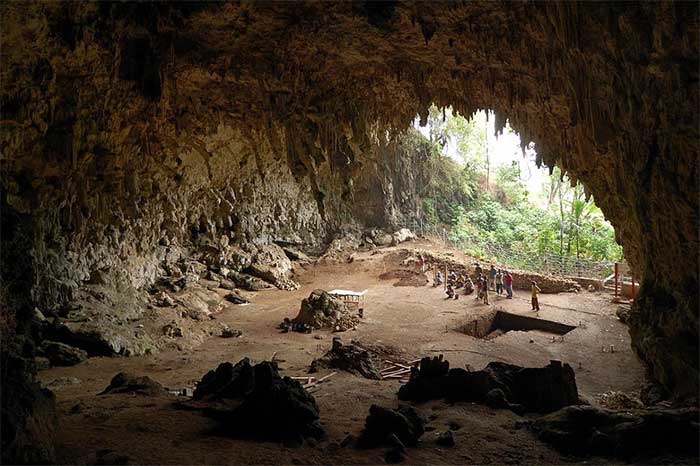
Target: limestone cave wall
128,127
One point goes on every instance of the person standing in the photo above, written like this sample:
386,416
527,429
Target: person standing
508,281
478,271
535,295
479,286
486,291
499,282
492,277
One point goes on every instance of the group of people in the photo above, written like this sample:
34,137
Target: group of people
455,281
498,280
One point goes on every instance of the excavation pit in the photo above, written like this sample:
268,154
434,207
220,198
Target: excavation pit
497,323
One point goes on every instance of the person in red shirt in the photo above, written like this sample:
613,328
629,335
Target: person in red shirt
508,283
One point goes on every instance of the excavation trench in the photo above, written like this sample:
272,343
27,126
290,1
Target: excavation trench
497,323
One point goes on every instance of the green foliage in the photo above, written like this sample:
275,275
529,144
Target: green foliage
502,219
444,186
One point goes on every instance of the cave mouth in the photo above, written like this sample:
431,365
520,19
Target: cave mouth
498,323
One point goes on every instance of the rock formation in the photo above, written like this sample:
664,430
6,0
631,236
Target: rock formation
500,385
350,358
134,134
256,401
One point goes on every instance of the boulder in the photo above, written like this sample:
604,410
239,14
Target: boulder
500,385
248,282
164,300
128,383
228,332
349,358
446,439
623,312
402,235
271,264
227,284
296,255
323,310
405,423
173,330
631,435
60,354
235,298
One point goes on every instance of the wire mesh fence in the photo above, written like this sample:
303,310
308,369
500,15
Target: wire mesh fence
547,263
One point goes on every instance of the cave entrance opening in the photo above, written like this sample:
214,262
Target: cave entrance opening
483,190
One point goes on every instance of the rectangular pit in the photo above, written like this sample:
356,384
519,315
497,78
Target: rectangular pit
497,323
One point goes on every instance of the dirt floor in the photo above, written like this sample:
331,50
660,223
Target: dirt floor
412,321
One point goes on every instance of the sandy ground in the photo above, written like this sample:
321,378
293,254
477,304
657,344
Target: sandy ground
416,321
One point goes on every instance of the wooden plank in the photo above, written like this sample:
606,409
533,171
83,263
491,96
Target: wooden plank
394,376
324,378
390,369
397,364
401,372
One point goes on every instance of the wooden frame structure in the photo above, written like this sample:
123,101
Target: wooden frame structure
349,297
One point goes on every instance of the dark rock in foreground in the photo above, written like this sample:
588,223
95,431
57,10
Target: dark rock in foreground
129,383
405,423
630,435
540,390
257,401
348,358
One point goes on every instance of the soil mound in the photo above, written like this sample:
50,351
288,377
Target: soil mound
323,310
406,277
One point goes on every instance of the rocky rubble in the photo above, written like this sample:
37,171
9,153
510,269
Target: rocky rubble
322,310
256,401
349,358
501,385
